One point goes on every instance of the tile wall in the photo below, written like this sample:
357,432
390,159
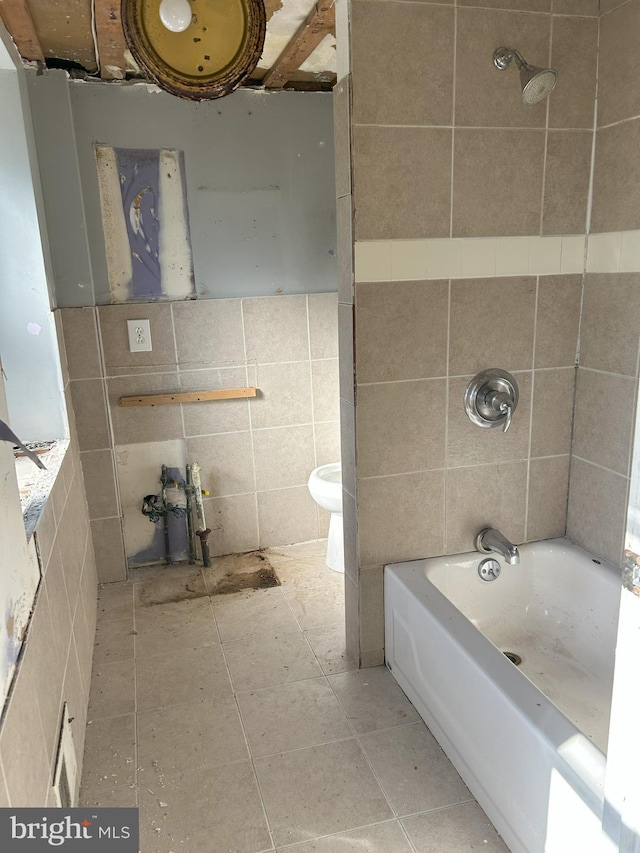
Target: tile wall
607,383
56,662
256,455
469,219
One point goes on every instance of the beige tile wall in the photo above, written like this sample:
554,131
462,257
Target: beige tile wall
616,205
256,455
443,146
56,660
606,390
447,150
606,397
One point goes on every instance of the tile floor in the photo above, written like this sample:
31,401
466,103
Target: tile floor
238,724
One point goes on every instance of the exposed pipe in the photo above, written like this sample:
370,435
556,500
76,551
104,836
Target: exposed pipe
165,513
204,531
188,490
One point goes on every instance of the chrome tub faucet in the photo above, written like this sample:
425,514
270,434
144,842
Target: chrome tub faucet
490,541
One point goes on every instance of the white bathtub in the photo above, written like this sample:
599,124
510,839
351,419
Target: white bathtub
528,740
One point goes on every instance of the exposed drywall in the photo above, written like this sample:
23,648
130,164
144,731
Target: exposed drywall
259,171
27,335
63,203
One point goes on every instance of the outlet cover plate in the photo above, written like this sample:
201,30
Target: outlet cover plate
139,335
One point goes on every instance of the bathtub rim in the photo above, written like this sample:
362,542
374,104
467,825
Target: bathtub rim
487,651
576,757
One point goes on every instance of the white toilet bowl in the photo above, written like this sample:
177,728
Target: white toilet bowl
325,485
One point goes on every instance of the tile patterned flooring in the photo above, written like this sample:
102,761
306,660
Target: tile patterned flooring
238,724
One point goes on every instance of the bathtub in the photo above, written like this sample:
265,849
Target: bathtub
529,740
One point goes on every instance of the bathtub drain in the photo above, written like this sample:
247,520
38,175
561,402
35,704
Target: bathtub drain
513,657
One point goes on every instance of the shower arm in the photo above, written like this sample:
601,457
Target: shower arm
503,56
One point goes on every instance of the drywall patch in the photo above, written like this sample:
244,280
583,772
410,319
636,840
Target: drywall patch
145,222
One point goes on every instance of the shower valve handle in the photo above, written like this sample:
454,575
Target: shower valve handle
502,403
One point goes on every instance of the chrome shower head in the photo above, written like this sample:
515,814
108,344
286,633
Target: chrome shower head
537,83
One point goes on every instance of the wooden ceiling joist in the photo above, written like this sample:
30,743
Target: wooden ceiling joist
320,22
110,38
17,19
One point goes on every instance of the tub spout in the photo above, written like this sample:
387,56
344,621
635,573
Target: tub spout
490,540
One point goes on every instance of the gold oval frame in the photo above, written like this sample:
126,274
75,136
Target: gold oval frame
212,86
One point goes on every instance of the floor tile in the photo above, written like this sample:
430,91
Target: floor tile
144,574
110,754
297,553
382,838
111,798
292,716
115,601
112,690
182,677
208,811
190,737
316,608
253,615
329,645
302,572
169,590
267,661
372,700
114,640
415,773
459,829
181,625
197,789
319,791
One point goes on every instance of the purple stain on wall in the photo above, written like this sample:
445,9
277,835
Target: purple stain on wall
139,171
178,538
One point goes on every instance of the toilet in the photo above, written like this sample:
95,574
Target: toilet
325,485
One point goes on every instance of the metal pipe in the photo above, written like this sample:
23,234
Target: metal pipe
204,531
167,544
188,490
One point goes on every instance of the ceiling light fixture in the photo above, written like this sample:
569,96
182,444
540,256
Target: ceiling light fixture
197,49
175,15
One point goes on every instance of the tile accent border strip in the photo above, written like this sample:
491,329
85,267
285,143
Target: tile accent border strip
488,257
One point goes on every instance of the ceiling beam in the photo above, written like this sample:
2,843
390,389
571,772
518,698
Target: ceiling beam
18,21
320,22
110,38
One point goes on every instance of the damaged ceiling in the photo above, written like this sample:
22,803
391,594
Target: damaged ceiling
86,37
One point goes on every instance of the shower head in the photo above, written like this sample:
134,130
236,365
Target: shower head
537,83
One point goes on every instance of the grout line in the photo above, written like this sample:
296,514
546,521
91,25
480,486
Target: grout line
615,8
601,467
136,764
257,429
605,372
618,123
244,732
453,113
546,143
501,129
468,376
446,416
313,411
594,132
251,428
531,409
178,372
110,430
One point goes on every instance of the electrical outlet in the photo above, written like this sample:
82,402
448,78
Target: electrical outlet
139,335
